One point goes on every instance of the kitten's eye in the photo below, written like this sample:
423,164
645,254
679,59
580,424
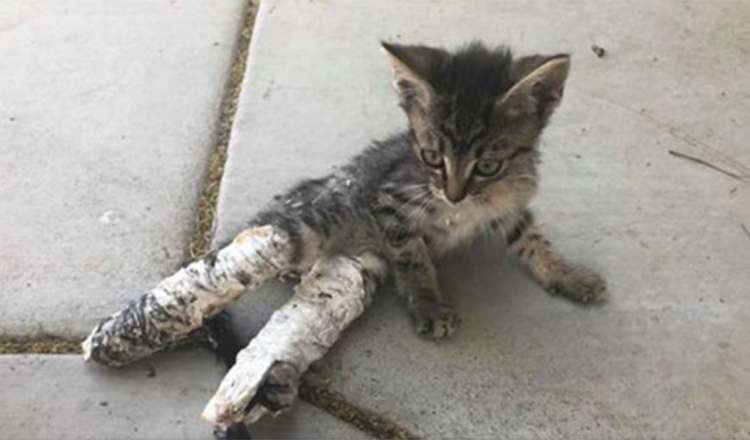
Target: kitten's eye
488,167
432,158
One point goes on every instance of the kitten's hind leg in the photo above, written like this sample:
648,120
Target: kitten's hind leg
178,305
278,391
551,270
280,387
416,279
264,380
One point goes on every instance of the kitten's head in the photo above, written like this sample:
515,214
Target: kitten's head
476,115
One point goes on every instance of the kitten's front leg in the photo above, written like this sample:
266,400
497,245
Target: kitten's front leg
551,270
416,279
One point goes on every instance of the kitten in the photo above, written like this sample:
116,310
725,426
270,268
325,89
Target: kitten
468,163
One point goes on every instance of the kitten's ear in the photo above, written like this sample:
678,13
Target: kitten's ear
539,84
411,66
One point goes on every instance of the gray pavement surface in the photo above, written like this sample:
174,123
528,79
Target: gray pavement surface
667,357
58,396
106,121
107,118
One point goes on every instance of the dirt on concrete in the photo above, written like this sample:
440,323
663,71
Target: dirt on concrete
205,221
335,403
47,345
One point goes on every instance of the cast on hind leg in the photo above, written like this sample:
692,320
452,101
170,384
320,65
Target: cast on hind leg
278,390
264,378
178,305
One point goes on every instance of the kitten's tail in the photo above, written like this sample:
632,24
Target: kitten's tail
221,338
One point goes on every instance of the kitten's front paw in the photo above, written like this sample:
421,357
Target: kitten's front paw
580,284
434,319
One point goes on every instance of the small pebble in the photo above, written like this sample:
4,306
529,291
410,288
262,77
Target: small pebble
110,218
598,51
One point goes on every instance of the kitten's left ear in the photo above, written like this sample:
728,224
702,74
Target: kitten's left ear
539,87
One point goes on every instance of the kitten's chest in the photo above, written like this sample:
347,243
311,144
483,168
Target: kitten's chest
449,227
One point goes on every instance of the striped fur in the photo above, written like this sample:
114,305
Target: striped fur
468,163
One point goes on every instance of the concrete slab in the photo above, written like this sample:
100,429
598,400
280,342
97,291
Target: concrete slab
666,357
54,396
106,124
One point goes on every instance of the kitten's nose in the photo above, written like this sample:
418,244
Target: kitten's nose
455,192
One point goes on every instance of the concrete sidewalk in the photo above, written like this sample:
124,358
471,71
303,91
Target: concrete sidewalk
107,120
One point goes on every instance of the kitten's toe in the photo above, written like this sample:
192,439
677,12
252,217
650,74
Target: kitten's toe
582,285
434,319
279,390
235,432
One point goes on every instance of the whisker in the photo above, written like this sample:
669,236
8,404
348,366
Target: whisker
419,212
421,198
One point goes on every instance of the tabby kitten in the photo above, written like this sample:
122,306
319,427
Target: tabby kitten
468,163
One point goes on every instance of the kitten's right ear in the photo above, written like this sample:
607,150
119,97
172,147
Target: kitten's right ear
411,66
539,84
